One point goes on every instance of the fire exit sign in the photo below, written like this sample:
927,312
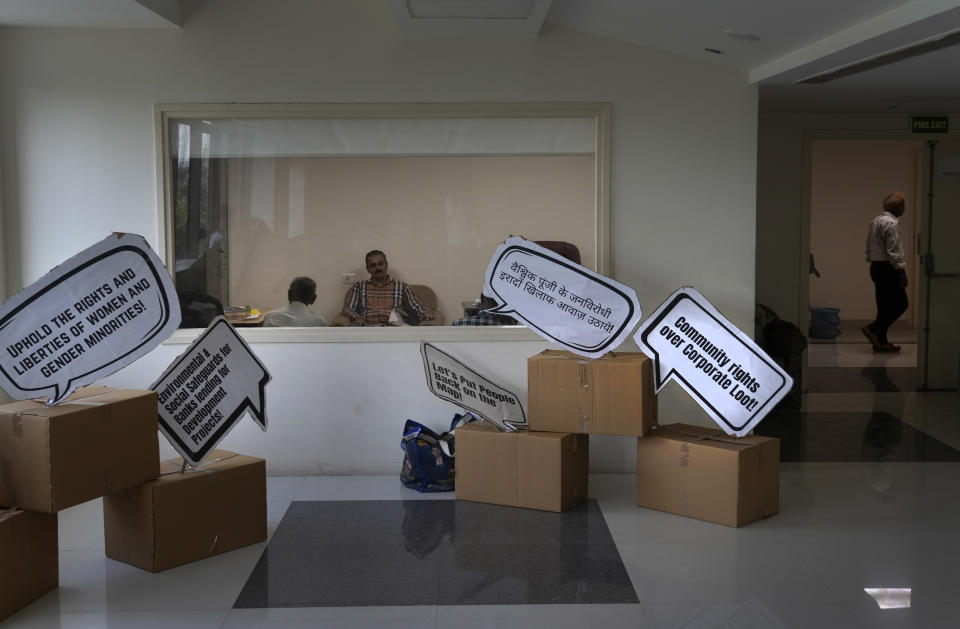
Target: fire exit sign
929,124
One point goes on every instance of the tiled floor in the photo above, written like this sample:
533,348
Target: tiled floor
436,552
869,514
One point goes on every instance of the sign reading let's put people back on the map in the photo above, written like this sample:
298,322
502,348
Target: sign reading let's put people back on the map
734,381
208,388
564,302
451,380
90,316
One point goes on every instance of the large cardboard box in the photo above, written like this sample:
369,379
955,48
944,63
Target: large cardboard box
28,558
703,473
535,470
612,395
96,441
179,518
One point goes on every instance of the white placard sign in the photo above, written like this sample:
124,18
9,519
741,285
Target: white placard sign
451,380
207,389
565,303
720,366
90,316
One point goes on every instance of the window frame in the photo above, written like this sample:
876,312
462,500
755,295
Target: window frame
600,113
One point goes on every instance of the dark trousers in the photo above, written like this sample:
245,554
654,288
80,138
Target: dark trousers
891,297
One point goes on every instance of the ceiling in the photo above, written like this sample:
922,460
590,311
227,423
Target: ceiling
773,42
91,13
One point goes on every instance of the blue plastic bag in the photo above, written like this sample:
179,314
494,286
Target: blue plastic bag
428,458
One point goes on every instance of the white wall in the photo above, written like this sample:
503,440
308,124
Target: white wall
314,427
78,153
438,218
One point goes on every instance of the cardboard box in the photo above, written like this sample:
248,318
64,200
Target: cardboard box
612,395
535,470
96,441
180,518
28,556
703,473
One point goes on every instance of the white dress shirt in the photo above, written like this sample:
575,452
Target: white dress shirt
295,315
883,240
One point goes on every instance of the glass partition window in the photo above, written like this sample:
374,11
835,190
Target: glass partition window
252,202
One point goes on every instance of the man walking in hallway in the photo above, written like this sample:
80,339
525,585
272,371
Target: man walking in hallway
888,270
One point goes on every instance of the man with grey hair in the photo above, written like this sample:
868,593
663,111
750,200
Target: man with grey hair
302,293
888,270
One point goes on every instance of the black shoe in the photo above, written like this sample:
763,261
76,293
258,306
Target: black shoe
871,336
886,348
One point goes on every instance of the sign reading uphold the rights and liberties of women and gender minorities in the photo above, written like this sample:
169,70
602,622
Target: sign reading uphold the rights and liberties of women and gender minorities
90,316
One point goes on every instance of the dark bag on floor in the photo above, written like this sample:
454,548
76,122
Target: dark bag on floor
428,457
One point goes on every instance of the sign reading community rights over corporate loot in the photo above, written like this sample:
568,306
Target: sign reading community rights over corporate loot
208,388
563,302
90,316
451,380
720,366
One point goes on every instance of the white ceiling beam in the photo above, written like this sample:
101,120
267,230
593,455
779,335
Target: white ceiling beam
167,9
909,23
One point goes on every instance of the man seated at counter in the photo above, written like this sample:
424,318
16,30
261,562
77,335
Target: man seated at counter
382,301
302,293
566,249
486,318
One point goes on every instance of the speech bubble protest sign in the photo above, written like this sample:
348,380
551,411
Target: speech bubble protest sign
92,315
720,366
451,380
206,390
563,302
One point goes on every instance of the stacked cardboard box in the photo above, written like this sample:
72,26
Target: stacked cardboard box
702,473
536,470
569,398
28,546
96,441
612,395
183,517
687,470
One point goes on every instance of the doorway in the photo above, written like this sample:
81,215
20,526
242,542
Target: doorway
849,178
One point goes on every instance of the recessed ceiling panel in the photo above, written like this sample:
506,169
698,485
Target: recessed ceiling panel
471,9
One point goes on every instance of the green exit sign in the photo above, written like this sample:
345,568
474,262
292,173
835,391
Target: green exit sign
929,124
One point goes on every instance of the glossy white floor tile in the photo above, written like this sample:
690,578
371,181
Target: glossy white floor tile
361,488
167,619
842,527
410,617
850,332
859,355
750,613
553,616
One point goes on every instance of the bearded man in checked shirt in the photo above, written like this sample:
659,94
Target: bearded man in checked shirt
382,301
888,270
